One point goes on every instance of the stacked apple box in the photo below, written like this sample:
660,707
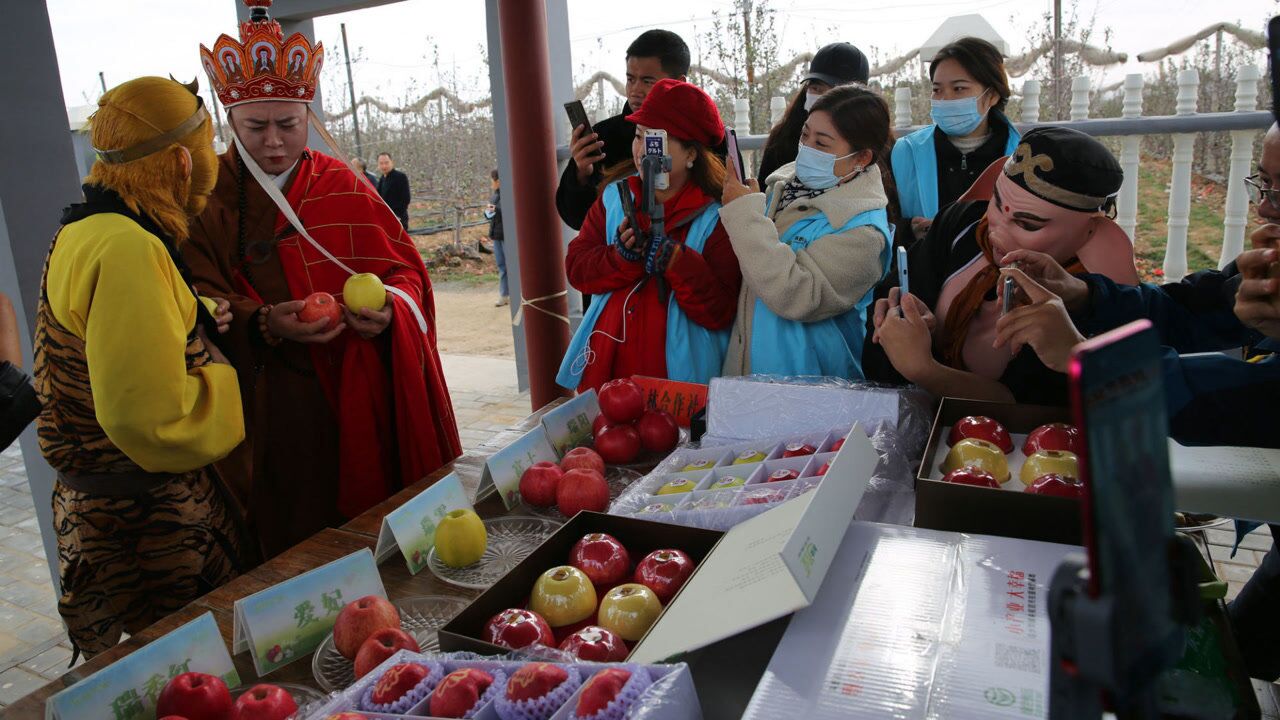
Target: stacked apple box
1009,510
719,487
658,691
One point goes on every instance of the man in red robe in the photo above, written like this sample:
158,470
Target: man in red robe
339,417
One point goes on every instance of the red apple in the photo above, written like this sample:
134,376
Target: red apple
783,474
321,306
361,619
658,430
582,490
535,680
601,422
664,572
839,443
195,696
538,483
604,560
177,717
618,444
516,628
798,450
600,690
398,681
459,692
1054,436
264,702
823,470
582,458
380,646
595,644
345,716
971,475
981,427
621,400
1057,486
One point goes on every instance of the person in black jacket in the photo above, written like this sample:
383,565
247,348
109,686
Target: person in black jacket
494,213
393,186
834,64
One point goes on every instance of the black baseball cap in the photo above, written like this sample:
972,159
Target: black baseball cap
837,64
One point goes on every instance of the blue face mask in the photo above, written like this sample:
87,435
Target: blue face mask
957,118
817,169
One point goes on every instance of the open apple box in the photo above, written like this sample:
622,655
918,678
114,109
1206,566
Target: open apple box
775,562
1007,511
671,695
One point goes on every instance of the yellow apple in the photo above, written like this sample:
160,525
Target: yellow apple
209,304
460,538
364,290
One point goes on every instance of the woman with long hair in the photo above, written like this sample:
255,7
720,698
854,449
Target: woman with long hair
834,64
665,304
813,248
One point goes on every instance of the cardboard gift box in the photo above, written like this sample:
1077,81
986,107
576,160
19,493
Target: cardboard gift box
990,511
750,578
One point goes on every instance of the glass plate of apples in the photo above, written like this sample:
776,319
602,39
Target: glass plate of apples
508,540
420,617
616,477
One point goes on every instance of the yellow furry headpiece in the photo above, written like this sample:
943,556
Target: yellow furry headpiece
129,130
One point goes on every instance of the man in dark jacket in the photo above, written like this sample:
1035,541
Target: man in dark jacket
494,212
393,186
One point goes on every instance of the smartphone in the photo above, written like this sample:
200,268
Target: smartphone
735,156
655,144
1007,289
1117,401
577,115
628,207
904,277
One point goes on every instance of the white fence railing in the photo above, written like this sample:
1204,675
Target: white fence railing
1244,124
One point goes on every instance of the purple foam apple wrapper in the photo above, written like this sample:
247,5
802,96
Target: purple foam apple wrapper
631,691
539,708
491,693
435,672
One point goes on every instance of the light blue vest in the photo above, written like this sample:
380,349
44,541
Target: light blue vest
694,353
831,347
915,169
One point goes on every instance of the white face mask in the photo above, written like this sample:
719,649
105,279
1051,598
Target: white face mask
810,98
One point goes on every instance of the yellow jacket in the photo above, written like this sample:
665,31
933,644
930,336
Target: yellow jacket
114,286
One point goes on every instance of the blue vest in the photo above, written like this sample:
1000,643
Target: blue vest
831,347
915,169
694,353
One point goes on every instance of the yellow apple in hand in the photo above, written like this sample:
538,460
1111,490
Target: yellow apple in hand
460,538
364,290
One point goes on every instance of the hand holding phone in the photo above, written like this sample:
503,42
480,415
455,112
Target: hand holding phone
904,276
585,146
735,156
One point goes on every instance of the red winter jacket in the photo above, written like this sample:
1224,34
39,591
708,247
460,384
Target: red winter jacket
705,285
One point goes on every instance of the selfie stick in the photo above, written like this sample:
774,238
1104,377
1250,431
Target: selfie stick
653,169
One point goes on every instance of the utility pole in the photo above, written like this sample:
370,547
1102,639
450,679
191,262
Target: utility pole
749,52
102,80
351,87
1057,59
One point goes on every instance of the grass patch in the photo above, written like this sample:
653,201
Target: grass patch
1204,234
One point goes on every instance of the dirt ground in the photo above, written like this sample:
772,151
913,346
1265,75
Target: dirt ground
469,323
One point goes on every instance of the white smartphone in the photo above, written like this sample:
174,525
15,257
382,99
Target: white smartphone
655,143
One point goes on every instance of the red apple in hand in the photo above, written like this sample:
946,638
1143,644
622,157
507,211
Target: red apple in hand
981,427
538,483
264,702
658,430
516,628
195,696
664,572
1054,436
971,475
380,646
321,306
618,444
1057,486
602,558
621,400
582,490
798,449
582,458
595,644
361,619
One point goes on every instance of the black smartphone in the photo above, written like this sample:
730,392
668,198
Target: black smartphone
1117,401
577,115
628,207
735,156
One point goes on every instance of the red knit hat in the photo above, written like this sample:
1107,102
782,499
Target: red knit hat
683,110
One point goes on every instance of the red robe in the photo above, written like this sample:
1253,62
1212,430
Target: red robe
333,429
704,284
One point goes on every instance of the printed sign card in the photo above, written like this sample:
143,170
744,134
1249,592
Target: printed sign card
682,399
412,527
128,688
288,621
504,468
569,426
